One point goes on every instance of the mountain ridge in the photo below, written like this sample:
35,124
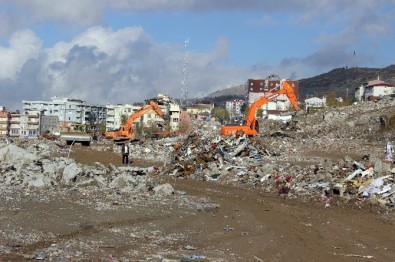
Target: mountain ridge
343,81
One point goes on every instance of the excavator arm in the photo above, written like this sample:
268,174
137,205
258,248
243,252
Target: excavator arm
250,128
126,131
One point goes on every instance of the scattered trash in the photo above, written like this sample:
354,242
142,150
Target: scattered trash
40,256
228,228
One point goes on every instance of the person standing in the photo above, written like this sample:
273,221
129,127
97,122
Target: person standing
125,153
389,153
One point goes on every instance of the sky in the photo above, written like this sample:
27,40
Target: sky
127,51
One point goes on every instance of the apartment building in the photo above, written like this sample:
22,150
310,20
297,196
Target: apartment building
4,123
69,111
116,113
256,88
234,107
24,125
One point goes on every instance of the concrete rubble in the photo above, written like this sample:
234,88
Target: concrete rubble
21,167
296,160
267,161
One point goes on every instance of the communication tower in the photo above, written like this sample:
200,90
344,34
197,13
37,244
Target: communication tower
184,83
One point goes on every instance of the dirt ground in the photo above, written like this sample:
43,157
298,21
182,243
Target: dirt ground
205,221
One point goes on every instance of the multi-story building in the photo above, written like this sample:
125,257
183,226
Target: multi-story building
24,125
4,122
174,116
15,124
234,107
116,114
69,111
49,124
256,88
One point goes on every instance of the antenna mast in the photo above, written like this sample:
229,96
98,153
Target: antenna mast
184,88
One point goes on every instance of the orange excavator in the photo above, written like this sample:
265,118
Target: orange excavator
126,131
250,128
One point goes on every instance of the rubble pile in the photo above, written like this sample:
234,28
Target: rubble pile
245,161
331,158
277,159
28,169
360,120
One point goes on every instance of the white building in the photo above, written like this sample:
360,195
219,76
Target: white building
375,88
234,107
315,102
260,87
115,112
150,118
69,111
174,116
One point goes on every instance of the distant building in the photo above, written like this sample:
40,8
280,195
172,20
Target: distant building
199,108
373,89
171,109
24,125
256,88
234,107
49,124
14,124
115,112
69,111
4,122
314,102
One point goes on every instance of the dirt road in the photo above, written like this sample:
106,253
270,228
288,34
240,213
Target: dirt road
203,221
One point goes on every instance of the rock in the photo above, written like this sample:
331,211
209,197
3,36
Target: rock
163,190
71,172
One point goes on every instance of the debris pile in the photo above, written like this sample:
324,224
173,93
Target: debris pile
20,167
246,161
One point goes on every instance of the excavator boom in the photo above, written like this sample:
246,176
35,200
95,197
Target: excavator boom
126,131
250,128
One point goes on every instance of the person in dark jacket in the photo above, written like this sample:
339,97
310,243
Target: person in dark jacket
125,153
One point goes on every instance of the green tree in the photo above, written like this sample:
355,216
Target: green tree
220,113
244,109
331,99
124,119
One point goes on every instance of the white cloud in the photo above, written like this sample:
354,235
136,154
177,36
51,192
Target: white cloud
105,66
23,45
102,65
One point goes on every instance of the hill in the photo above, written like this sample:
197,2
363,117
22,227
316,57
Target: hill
339,80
